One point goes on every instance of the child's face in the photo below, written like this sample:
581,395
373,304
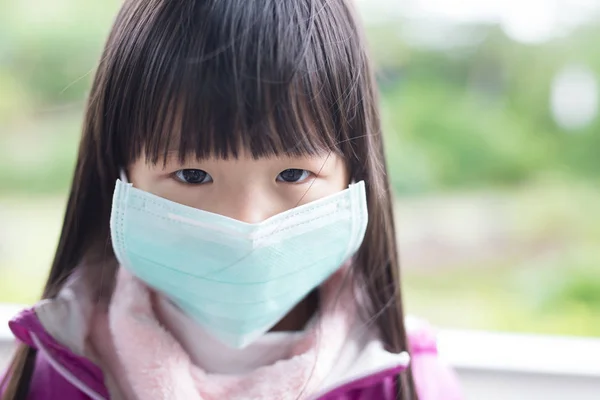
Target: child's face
246,189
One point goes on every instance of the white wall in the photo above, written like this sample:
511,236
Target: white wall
6,349
506,385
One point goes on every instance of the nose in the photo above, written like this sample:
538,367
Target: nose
250,207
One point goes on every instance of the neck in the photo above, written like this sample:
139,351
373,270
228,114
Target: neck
298,317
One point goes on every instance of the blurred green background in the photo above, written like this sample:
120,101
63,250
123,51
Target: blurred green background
492,137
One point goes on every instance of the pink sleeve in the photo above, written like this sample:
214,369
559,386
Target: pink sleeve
434,379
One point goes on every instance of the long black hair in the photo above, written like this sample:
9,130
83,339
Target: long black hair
211,77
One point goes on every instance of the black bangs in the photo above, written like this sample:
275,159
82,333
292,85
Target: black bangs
212,78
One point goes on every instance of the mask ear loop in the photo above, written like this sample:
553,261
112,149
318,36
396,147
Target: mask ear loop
123,175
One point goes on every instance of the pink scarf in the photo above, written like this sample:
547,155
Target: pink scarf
146,362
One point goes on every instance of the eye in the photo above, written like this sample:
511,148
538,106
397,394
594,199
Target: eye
293,175
192,176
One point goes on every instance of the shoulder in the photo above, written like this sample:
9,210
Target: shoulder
58,372
434,379
48,384
374,387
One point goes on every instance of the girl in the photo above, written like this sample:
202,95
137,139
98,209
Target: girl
247,249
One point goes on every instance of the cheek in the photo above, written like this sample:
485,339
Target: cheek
343,177
338,177
153,180
338,173
141,176
329,185
169,189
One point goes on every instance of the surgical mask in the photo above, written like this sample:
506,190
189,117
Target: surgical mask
235,279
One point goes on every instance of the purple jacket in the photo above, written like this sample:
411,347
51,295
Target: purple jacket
62,375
